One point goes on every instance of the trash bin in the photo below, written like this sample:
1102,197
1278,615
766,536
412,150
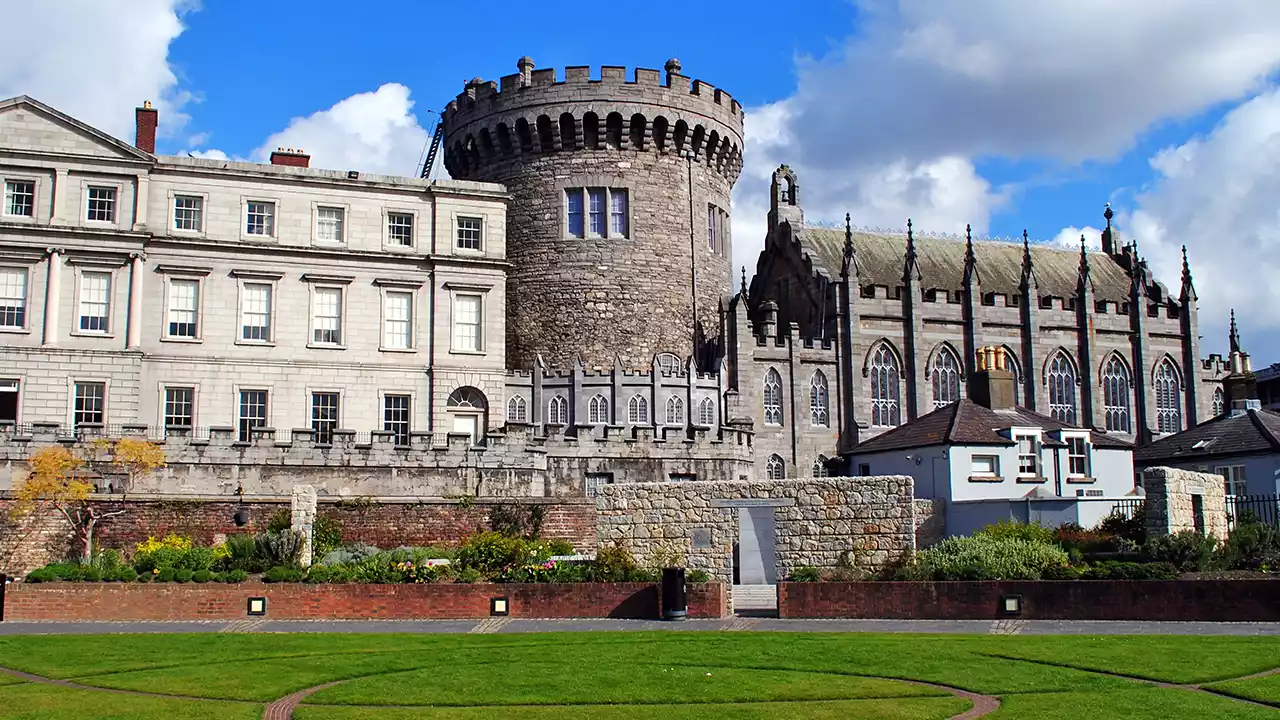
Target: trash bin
675,603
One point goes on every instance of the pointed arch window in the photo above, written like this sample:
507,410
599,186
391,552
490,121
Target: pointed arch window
598,410
517,410
819,414
558,411
886,388
820,466
1062,389
775,468
945,376
1116,382
1168,398
1218,402
772,398
675,411
707,412
638,410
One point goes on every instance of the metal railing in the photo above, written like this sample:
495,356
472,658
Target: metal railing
1263,508
1127,508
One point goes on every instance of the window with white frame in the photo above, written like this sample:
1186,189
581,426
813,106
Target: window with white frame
775,468
20,198
326,316
95,301
330,224
618,218
886,388
324,416
1218,402
179,407
1028,456
13,297
595,481
188,213
772,398
260,218
1077,456
1233,479
638,410
252,413
598,212
669,363
820,466
717,228
818,413
675,411
517,410
984,466
1115,395
184,298
945,377
1168,398
90,404
397,320
576,222
1062,389
470,231
467,322
395,417
255,312
101,206
598,410
558,410
707,412
400,229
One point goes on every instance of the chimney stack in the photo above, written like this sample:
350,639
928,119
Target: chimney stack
993,383
291,157
145,120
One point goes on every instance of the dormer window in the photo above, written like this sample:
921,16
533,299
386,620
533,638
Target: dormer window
1077,456
1028,455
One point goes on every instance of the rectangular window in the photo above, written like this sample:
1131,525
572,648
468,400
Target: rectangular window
574,198
400,229
595,481
1077,456
682,477
324,416
617,213
95,301
9,402
13,298
395,417
179,407
255,312
327,316
253,412
1233,479
469,233
595,210
183,301
329,224
711,227
1028,465
985,466
188,213
397,312
260,218
466,323
102,204
90,399
20,198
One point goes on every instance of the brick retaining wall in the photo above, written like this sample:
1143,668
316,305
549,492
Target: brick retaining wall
1157,600
352,601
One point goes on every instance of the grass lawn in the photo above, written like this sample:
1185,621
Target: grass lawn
633,675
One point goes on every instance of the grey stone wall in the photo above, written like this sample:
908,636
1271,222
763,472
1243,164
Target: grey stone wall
820,522
1171,504
931,521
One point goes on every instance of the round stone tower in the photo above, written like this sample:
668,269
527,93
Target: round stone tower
618,225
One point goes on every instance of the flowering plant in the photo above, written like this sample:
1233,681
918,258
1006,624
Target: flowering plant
171,541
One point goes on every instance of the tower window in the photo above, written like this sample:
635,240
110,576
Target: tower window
598,212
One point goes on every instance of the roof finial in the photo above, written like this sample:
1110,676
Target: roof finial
1108,214
970,259
743,287
1026,243
1235,333
848,234
1083,249
911,268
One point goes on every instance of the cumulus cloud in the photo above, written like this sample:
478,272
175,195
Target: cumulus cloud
96,59
1070,237
372,131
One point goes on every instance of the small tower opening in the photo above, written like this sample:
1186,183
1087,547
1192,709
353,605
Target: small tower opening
613,131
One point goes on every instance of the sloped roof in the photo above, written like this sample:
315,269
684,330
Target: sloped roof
881,259
49,111
968,423
1250,432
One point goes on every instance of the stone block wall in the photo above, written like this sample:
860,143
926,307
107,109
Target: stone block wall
1171,501
931,521
819,522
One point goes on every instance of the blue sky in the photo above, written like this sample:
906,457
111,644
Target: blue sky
1000,113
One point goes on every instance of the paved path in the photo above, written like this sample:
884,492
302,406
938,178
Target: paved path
735,623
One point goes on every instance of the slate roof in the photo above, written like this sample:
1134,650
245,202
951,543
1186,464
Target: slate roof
881,259
1250,432
968,423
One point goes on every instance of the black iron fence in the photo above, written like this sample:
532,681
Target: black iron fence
1261,508
1128,508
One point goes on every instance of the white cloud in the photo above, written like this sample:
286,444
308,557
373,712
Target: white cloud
1070,237
96,59
372,132
210,154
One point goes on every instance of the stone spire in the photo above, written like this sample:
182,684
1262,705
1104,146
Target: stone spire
1239,387
1028,269
1234,337
971,274
742,289
1108,235
1188,287
1084,263
911,266
849,268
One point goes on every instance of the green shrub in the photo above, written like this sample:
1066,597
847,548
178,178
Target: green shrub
202,576
561,547
235,576
349,554
614,563
279,521
107,561
697,577
145,578
319,574
467,575
279,549
91,574
1252,545
241,554
1186,550
195,559
66,571
281,573
161,557
182,575
805,574
1112,570
982,557
125,573
1064,572
326,535
517,520
165,574
642,575
490,553
1133,529
1015,530
382,568
40,575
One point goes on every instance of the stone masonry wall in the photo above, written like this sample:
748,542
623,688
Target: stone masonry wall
1170,503
820,522
931,521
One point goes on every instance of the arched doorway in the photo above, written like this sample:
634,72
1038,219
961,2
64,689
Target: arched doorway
468,411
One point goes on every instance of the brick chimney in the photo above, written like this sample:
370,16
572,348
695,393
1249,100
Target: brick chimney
291,157
145,118
993,384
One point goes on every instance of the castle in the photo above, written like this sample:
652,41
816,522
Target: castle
562,314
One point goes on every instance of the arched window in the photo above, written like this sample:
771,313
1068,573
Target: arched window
775,468
598,410
818,414
945,376
820,466
675,411
707,412
558,411
669,364
1217,402
1011,362
1168,398
638,410
886,391
1115,395
468,406
517,410
1062,388
772,398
